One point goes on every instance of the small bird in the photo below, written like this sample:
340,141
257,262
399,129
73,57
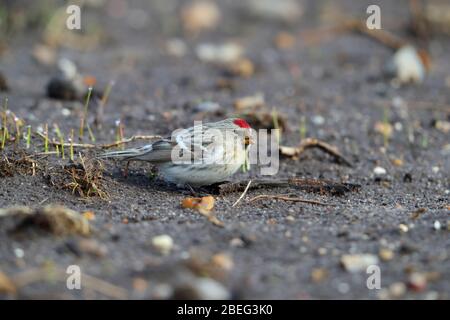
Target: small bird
197,156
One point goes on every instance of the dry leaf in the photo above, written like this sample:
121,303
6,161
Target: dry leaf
204,206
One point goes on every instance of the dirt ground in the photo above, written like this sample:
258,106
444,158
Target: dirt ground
270,249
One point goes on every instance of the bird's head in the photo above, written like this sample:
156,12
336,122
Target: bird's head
243,126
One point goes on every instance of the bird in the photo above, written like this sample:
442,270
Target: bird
198,156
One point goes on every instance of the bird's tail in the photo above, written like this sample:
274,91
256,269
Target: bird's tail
128,154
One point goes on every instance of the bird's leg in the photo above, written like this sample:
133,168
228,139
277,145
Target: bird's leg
200,192
125,171
193,193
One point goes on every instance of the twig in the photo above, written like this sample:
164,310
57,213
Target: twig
243,194
314,143
382,36
287,198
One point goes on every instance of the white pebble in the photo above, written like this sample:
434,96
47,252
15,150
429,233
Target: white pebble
19,253
437,225
163,243
379,171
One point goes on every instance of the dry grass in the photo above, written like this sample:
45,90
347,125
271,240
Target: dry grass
83,177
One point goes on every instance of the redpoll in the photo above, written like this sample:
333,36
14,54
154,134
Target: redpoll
201,155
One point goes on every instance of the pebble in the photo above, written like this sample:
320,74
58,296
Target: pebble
223,261
176,47
19,253
162,291
200,15
163,243
223,53
319,274
343,287
397,290
358,262
65,112
417,281
207,106
318,120
437,225
379,171
386,254
43,54
407,66
202,289
290,218
280,10
237,242
403,228
92,247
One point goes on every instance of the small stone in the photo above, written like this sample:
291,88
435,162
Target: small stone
417,282
398,126
343,287
202,289
140,285
162,291
250,102
43,54
284,40
92,247
163,243
435,169
379,171
437,225
319,274
286,11
322,251
176,47
383,294
407,65
403,228
290,218
226,53
358,262
207,106
19,253
397,162
200,15
386,254
237,242
223,261
65,112
397,290
242,68
318,120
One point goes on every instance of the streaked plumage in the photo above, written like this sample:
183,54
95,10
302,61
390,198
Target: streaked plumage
208,153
